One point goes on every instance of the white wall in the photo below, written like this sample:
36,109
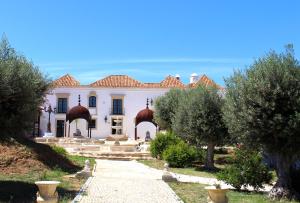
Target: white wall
143,127
134,101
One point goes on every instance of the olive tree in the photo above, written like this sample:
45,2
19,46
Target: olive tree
198,119
22,88
165,108
262,109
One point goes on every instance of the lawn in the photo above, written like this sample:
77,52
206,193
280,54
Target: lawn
25,182
18,185
195,193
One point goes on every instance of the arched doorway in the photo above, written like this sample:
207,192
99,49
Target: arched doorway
78,112
145,115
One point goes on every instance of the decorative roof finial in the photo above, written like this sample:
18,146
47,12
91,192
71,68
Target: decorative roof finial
79,100
147,104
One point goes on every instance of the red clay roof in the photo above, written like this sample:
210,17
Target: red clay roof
117,81
66,81
126,81
152,85
206,81
171,82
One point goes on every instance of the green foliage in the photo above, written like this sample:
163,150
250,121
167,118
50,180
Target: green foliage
22,88
262,110
180,155
200,155
59,150
165,108
262,107
161,142
199,116
198,120
247,169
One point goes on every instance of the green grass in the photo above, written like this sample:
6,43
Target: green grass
195,193
66,190
194,171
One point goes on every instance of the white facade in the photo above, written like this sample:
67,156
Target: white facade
134,100
129,96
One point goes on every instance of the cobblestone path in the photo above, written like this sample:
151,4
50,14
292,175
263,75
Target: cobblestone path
128,182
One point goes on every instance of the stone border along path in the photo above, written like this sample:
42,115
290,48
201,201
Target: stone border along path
127,182
207,181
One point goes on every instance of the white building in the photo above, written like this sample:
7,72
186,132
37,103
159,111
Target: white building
113,103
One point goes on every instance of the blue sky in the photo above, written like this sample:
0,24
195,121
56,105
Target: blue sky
148,40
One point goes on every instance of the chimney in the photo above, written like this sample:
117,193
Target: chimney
193,78
177,76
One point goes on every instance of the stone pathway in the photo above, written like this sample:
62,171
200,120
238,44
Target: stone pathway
127,182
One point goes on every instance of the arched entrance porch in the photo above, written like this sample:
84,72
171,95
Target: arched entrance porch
145,115
78,112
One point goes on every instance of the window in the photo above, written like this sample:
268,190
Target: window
92,101
62,105
117,107
92,124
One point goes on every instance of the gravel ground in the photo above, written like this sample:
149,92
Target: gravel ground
128,182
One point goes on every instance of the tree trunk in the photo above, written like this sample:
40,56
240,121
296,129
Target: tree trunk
283,187
209,162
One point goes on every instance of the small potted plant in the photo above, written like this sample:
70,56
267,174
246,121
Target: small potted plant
217,193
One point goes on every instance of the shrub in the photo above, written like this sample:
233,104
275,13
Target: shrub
247,169
59,150
200,155
179,155
161,142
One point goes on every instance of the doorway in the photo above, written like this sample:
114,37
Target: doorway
60,128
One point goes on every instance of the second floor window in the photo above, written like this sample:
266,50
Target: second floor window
117,107
92,101
62,105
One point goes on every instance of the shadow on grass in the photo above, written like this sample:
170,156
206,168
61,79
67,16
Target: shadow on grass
66,195
205,169
17,192
248,192
23,192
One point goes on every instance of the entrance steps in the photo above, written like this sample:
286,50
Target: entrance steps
100,149
114,155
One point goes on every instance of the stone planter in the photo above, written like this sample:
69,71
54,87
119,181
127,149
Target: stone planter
47,191
216,195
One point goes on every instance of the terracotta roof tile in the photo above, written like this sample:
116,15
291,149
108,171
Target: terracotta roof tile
66,81
126,81
152,85
117,81
171,82
206,81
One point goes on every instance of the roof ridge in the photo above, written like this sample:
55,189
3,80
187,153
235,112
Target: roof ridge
66,80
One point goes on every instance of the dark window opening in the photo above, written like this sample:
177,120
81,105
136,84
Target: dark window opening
92,101
62,105
117,107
